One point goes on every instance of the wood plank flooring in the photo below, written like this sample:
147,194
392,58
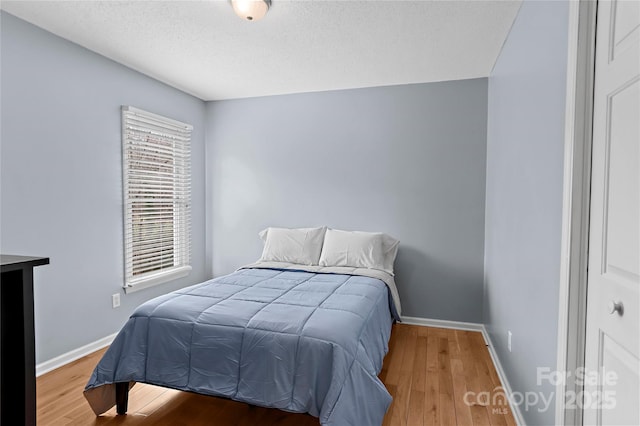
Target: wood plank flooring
428,371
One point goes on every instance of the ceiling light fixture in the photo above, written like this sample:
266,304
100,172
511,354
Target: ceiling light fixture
251,10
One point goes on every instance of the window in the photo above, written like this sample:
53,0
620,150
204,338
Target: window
157,195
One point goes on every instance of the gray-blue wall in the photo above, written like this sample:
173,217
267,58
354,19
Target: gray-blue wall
61,179
406,160
525,144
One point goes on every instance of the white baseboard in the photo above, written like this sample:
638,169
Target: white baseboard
471,326
73,355
515,409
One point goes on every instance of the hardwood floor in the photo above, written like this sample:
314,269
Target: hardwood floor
427,370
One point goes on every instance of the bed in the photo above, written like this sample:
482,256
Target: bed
300,338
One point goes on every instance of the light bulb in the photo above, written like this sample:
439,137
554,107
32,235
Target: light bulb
250,10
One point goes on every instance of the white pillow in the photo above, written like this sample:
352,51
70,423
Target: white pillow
373,250
301,246
390,249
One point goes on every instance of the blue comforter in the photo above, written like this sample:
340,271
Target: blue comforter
293,340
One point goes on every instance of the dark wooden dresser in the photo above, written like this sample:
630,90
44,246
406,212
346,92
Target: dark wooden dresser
17,340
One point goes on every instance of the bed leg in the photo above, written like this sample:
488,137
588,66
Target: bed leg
122,397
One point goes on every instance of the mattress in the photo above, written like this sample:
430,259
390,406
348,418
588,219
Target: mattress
293,340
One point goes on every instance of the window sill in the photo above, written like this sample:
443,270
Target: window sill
156,279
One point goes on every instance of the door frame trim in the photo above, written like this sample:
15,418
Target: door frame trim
576,202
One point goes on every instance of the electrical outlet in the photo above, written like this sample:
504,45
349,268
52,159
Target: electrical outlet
115,300
509,340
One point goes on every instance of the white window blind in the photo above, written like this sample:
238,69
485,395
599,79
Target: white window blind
157,197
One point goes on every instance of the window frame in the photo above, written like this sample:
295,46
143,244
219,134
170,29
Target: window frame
178,135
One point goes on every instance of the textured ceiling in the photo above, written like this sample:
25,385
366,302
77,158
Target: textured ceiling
203,48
